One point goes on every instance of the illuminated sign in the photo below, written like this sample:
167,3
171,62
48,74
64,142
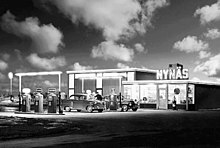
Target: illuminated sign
173,74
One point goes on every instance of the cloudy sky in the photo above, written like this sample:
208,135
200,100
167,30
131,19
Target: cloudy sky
51,35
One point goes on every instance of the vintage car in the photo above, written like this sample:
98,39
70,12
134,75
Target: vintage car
80,102
120,103
128,104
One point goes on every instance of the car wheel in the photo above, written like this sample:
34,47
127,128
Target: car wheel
89,109
100,110
124,108
78,110
134,109
67,108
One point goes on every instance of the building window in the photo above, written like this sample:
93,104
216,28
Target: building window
177,91
148,94
127,91
78,85
89,84
110,83
131,92
135,93
190,93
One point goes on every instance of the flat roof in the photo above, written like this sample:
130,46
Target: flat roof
39,73
171,82
112,70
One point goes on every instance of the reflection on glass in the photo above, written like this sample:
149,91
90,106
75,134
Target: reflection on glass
177,91
127,91
148,94
190,94
131,92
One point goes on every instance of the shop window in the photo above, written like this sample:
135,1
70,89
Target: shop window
148,94
131,92
110,83
78,86
190,93
177,91
89,84
127,91
135,93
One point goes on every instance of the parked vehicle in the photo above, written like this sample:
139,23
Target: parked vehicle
121,103
128,104
80,102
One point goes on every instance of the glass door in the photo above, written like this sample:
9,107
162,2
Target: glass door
162,103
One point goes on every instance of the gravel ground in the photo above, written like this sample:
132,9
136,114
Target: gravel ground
145,128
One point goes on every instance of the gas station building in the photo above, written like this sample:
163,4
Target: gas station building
103,81
154,89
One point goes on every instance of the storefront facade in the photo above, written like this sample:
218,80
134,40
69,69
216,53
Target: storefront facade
103,81
159,94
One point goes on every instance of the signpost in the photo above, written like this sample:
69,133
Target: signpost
10,76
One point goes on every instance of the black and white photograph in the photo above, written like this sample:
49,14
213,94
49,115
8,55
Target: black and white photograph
109,73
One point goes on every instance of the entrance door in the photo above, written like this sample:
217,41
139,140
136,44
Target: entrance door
162,103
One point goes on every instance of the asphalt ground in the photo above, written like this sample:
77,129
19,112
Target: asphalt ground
144,128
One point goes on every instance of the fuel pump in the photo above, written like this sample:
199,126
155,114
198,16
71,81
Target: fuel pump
113,100
52,101
38,101
26,100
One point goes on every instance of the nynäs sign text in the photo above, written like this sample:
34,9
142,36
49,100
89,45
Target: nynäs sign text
173,74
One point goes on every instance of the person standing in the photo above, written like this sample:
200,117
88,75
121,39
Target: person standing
174,103
98,96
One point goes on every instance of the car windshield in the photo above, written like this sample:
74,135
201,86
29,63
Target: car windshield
78,97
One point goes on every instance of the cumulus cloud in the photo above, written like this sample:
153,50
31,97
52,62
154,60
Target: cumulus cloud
149,8
77,66
212,34
2,76
3,65
18,54
210,67
191,44
22,68
209,13
140,48
122,66
50,84
195,79
110,50
45,38
5,56
45,63
204,54
115,18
